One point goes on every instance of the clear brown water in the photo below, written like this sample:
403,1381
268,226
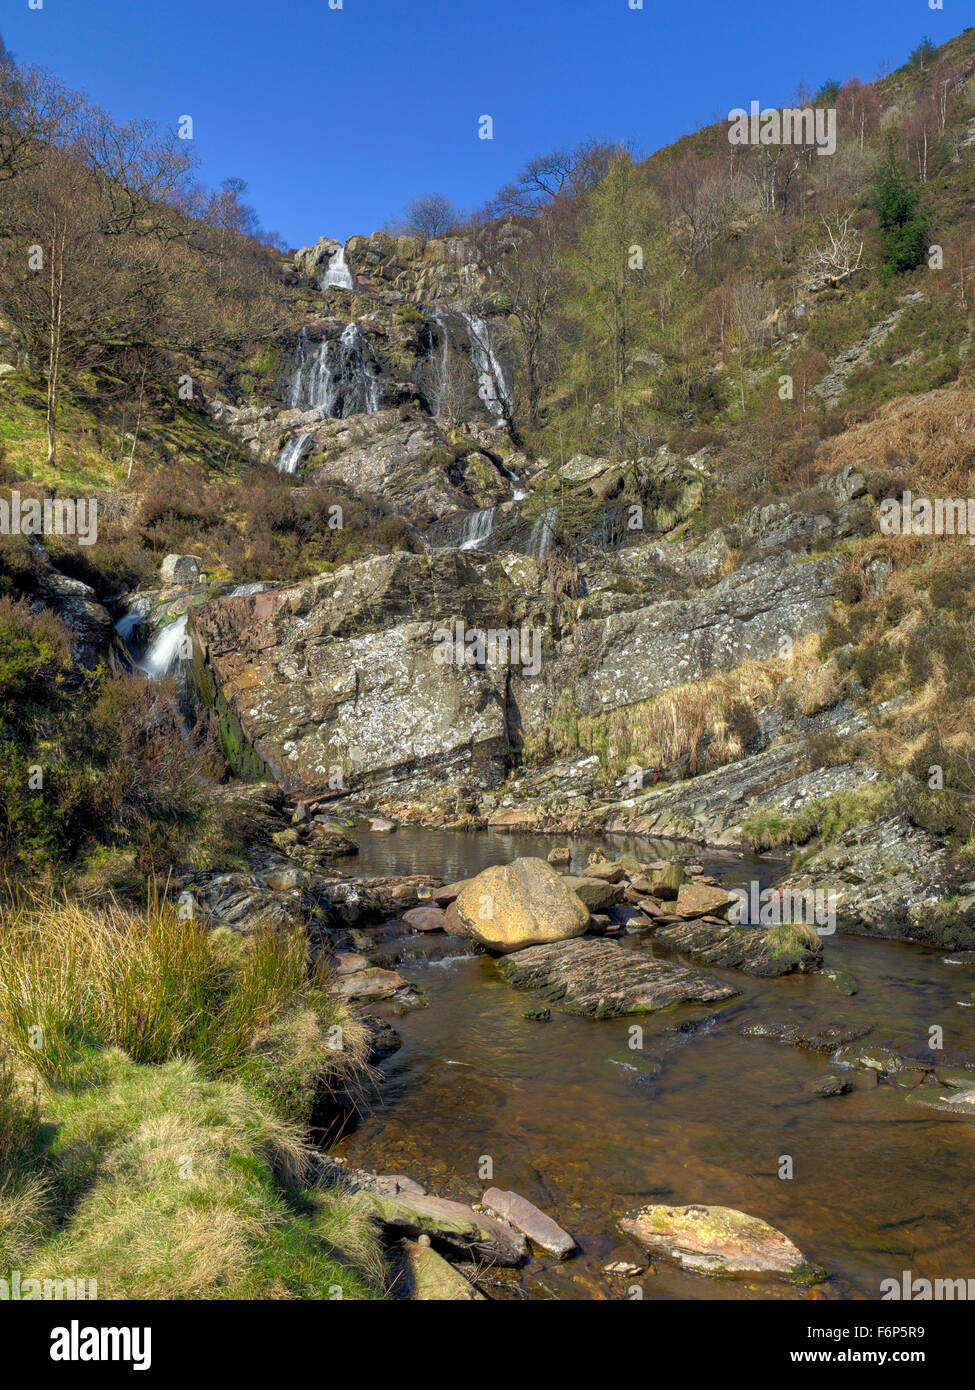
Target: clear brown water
879,1186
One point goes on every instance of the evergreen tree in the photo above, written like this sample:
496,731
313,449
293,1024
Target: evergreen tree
904,228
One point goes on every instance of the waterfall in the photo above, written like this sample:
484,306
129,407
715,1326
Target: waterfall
339,376
442,384
477,529
337,273
491,385
292,453
128,623
540,540
162,656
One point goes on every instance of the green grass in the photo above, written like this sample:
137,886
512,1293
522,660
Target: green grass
823,819
161,1183
156,1084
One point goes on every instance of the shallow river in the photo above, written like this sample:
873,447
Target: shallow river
570,1121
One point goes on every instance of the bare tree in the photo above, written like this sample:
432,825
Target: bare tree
842,257
430,216
36,111
527,266
550,176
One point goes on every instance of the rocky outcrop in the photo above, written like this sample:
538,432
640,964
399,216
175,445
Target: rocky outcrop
525,903
345,682
891,879
627,657
601,980
402,457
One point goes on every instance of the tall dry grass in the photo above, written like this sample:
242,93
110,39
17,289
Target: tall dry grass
153,983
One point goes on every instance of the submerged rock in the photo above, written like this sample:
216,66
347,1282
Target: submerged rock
602,980
511,906
719,1241
752,949
816,1037
830,1086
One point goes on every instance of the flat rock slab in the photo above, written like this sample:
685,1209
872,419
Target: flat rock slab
540,1229
817,1037
370,984
455,1227
719,1241
733,947
602,980
949,1102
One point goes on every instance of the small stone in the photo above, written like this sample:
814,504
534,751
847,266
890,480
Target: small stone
830,1086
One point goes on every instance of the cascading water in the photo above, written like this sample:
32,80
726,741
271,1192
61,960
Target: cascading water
289,459
162,656
491,385
337,273
540,540
338,376
477,529
443,380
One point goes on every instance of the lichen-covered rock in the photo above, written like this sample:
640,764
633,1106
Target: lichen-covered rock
595,893
180,569
345,678
511,906
719,1241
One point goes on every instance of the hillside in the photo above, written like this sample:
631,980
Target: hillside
584,517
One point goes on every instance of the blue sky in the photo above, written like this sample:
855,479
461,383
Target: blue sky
337,117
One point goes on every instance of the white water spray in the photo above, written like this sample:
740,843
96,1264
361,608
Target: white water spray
337,273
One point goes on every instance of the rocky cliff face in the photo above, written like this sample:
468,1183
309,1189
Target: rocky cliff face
427,681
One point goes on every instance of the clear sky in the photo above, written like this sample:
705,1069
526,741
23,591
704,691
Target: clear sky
336,117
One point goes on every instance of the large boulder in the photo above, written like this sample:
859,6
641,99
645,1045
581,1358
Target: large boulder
526,903
719,1241
180,569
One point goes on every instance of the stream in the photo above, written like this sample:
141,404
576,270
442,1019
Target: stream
576,1122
